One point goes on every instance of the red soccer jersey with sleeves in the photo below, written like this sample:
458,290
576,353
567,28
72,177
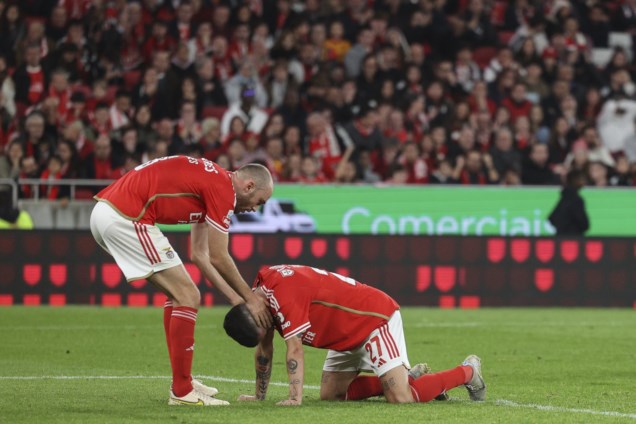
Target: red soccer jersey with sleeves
174,190
325,309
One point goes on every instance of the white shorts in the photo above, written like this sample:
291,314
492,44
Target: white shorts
140,250
382,351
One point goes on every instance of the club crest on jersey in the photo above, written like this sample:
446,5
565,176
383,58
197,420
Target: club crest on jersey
286,272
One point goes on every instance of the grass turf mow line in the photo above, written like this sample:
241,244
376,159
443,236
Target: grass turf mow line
498,402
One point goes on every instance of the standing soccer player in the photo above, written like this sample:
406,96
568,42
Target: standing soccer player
172,190
359,324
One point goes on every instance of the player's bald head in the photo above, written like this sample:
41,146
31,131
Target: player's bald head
253,186
258,173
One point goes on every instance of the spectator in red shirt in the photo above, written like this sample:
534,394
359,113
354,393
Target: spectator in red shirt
53,172
181,28
221,20
36,142
159,40
324,144
275,157
75,133
211,139
414,164
60,90
100,119
30,78
517,103
310,171
201,45
475,169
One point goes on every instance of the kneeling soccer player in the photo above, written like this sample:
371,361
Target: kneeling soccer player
360,325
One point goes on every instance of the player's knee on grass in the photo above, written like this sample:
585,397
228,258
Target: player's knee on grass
328,394
334,385
400,394
395,385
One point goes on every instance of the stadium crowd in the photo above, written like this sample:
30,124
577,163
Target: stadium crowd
358,91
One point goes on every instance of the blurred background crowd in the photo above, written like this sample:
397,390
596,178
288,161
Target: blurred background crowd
357,91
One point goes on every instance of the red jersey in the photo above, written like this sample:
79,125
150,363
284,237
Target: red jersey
174,190
325,309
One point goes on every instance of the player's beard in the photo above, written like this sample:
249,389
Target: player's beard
243,202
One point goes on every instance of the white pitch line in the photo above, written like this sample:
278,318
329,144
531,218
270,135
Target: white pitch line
549,408
136,377
89,327
516,324
498,402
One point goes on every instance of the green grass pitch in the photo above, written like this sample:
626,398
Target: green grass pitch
96,365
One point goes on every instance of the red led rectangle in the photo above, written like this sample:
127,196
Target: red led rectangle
7,300
469,302
137,300
159,299
111,299
32,299
57,300
447,302
423,278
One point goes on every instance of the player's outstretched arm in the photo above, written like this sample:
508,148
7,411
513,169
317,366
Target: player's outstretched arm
201,257
222,261
263,359
295,371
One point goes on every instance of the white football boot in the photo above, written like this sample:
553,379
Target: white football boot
195,398
206,390
476,386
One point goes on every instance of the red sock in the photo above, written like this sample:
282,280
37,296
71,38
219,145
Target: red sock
428,386
167,314
364,387
182,348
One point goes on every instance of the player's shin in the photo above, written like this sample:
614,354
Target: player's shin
182,348
364,387
167,316
429,386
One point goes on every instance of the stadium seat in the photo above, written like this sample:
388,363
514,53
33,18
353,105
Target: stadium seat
601,56
40,212
84,194
131,79
498,13
110,93
213,112
483,55
84,210
65,218
623,40
504,37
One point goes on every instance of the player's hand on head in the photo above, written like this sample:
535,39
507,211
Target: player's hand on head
246,398
260,312
289,402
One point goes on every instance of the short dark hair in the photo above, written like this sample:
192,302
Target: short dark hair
240,325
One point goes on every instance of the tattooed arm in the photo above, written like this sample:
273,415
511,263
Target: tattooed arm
263,363
295,371
263,359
